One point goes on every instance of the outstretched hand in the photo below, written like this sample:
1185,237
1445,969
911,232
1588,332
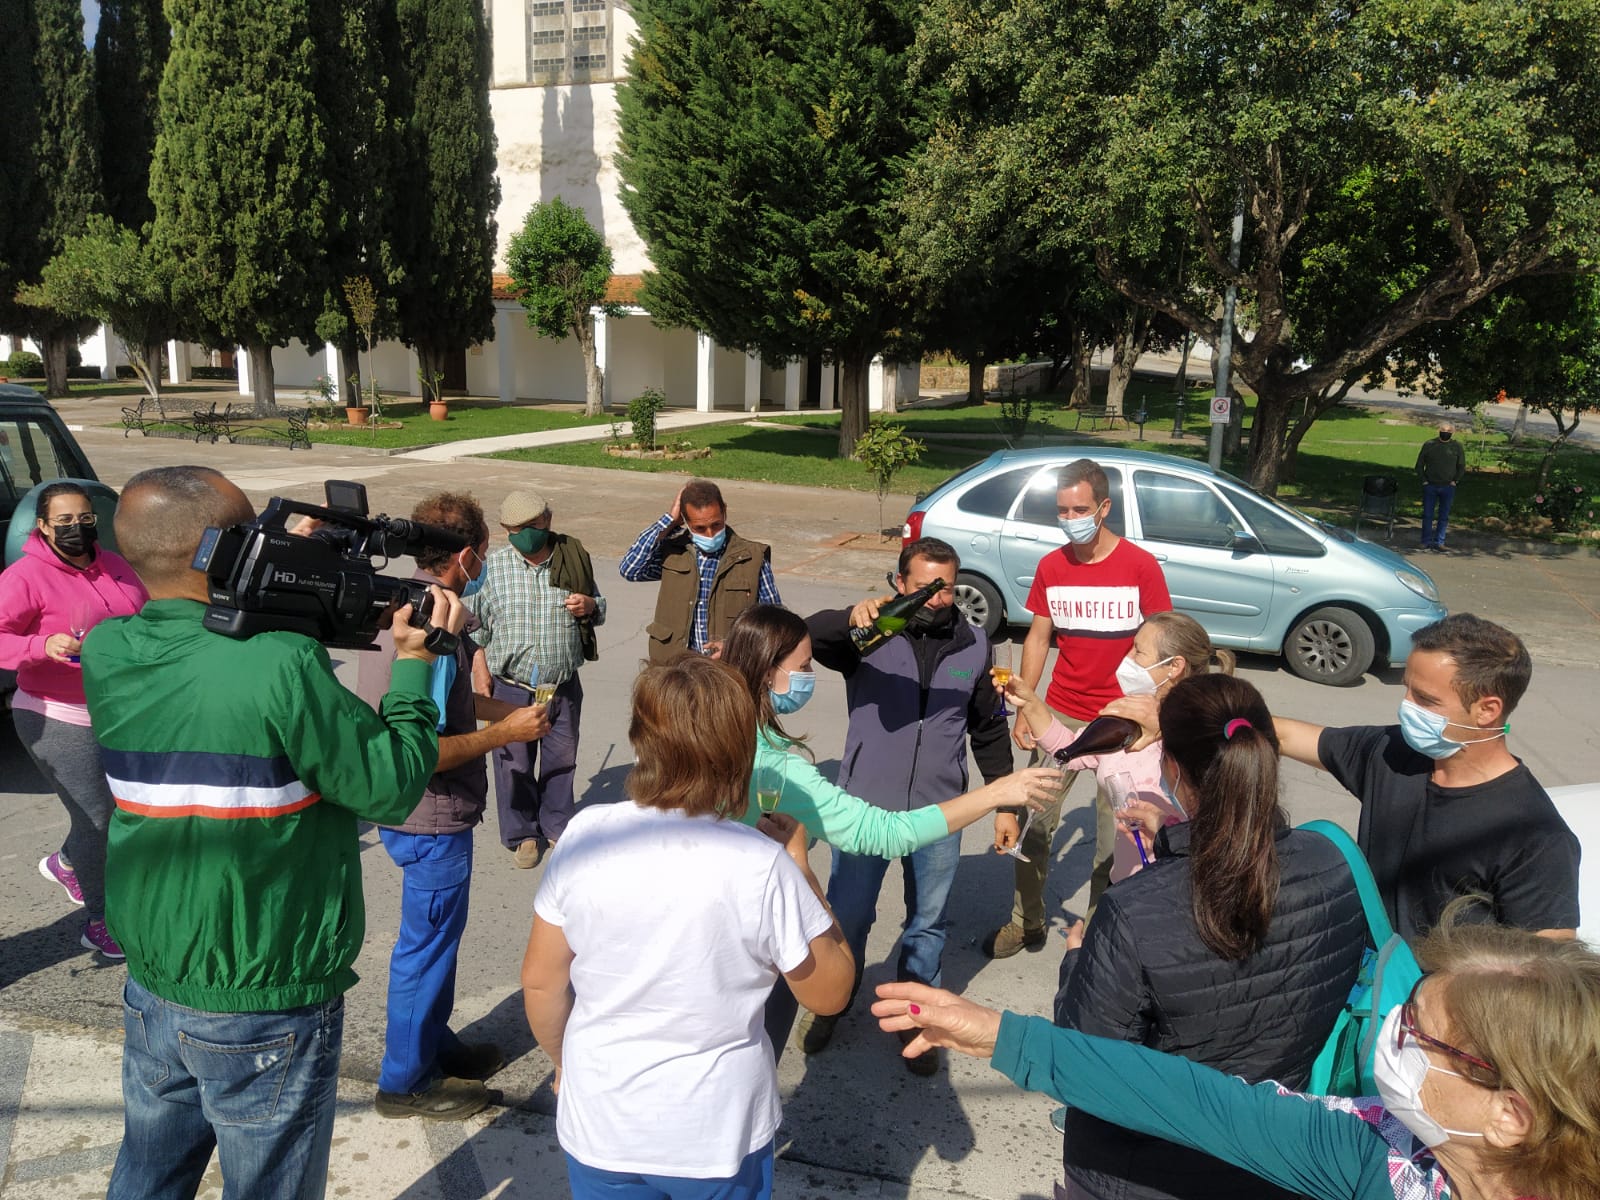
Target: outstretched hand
940,1018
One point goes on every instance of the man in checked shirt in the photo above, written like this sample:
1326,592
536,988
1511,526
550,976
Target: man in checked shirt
537,611
708,573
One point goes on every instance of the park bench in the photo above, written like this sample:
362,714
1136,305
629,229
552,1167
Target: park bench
287,428
1095,413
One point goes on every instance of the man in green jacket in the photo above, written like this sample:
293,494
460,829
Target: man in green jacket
1440,464
240,770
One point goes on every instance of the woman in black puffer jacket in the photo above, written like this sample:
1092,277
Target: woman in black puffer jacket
1236,948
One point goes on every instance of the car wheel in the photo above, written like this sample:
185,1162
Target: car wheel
1330,645
980,603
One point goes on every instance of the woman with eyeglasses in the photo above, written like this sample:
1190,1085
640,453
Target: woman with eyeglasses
1488,1080
62,587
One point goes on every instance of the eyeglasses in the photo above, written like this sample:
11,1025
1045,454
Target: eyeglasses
87,520
1482,1073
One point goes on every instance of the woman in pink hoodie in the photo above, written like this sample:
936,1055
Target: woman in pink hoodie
60,588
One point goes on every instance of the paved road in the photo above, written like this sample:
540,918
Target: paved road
856,1122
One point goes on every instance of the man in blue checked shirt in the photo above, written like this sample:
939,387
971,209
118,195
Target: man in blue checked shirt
708,573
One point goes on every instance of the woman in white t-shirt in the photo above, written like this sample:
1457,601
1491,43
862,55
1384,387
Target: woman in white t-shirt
660,927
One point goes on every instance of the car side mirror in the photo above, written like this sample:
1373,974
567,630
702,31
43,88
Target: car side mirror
1245,542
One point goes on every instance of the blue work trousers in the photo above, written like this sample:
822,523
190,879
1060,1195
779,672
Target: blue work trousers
533,781
1436,501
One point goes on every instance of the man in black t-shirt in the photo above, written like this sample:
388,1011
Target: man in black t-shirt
1446,808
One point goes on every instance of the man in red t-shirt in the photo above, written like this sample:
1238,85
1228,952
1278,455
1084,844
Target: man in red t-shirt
1090,596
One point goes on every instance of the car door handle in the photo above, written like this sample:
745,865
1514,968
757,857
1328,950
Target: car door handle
1158,557
1025,536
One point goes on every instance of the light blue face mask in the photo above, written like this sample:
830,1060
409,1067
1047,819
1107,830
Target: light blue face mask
1424,732
474,586
1079,529
801,684
1172,796
710,545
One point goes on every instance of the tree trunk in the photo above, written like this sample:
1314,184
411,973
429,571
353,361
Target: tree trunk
1082,368
975,388
594,389
1311,408
1563,432
1125,352
349,380
55,345
1058,366
1519,427
153,351
147,370
263,382
853,411
1269,434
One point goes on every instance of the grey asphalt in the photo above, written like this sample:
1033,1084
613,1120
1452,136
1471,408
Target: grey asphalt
857,1124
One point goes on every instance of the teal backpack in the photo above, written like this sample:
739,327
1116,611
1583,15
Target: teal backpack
1387,975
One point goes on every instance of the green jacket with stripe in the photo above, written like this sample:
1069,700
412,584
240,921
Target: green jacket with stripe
240,770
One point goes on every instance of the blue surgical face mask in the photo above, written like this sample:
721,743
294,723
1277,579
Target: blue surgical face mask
1172,796
1424,732
801,684
475,584
1079,529
710,545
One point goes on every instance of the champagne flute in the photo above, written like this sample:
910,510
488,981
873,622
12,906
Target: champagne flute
1123,791
769,787
79,625
543,693
1016,850
1001,673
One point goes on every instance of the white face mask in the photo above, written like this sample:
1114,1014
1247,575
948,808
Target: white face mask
1399,1073
1135,680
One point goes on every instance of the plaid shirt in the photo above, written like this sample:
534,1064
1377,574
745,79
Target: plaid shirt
524,621
642,563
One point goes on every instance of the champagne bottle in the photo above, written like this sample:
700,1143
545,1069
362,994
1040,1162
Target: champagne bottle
892,617
1100,736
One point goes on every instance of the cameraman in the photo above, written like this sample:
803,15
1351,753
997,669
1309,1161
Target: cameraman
233,878
427,1071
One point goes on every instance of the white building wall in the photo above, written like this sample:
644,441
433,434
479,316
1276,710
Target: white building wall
638,357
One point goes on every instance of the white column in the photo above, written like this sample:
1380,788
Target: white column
602,351
705,373
8,345
505,353
510,21
177,361
794,378
413,364
830,386
241,362
752,383
330,360
875,385
111,347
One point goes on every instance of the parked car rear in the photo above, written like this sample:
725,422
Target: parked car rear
1257,574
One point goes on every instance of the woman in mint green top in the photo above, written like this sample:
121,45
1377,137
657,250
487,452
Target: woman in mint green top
771,648
1488,1080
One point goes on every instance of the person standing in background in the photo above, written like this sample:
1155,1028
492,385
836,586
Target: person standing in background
1441,464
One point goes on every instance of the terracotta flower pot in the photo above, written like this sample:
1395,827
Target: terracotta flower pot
439,410
357,415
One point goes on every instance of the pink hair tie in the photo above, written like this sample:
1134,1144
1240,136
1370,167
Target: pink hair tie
1233,727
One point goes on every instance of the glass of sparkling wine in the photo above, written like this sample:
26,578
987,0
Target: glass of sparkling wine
543,693
1016,850
1001,673
769,788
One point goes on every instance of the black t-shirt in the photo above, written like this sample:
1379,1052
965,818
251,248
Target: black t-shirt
1429,844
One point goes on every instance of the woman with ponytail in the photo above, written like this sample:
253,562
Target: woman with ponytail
1235,948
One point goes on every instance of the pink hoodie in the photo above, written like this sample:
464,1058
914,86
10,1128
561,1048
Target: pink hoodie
41,595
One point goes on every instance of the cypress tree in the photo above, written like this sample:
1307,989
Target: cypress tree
448,240
239,177
130,52
19,148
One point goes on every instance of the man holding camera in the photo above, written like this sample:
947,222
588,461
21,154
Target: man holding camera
427,1071
240,769
537,611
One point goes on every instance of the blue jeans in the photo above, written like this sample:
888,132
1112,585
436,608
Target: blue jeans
853,888
259,1088
538,805
437,869
753,1182
1436,496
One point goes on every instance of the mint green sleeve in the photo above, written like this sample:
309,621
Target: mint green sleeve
1294,1141
375,764
835,816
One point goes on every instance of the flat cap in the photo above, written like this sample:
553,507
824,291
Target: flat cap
518,508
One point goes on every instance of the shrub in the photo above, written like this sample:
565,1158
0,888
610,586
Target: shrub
642,412
25,364
1566,503
883,449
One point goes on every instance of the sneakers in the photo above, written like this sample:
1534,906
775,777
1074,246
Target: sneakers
1011,937
96,936
813,1033
444,1099
51,867
472,1060
529,854
925,1065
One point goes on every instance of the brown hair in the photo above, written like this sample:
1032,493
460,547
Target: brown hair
1233,769
459,513
760,638
1085,470
694,738
1183,637
41,507
1530,1005
700,493
1490,659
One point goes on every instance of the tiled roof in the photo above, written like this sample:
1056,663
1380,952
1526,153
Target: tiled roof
622,289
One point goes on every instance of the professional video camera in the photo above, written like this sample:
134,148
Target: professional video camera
322,583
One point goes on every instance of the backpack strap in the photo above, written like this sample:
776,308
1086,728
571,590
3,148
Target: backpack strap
1377,916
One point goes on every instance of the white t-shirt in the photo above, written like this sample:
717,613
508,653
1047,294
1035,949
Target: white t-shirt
679,927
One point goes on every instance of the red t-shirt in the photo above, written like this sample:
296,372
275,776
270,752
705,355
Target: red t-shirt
1096,609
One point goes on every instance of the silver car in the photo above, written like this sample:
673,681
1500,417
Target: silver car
1257,574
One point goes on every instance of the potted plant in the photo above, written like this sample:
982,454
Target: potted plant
432,381
358,412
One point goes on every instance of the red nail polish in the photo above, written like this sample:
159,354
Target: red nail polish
915,1011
